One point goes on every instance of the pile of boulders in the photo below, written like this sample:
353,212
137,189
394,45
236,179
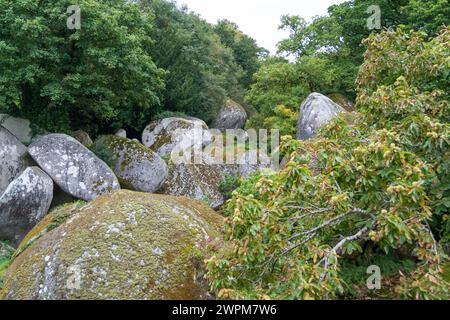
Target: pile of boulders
137,243
57,167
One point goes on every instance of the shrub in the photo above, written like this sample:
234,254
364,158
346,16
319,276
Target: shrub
378,177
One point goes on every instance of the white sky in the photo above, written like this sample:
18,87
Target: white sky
259,18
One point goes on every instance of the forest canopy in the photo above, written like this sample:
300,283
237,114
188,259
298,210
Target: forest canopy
127,63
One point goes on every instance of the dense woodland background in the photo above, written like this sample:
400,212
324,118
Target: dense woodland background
385,167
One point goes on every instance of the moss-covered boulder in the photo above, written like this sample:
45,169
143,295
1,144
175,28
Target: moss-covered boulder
176,134
136,166
124,245
231,116
198,176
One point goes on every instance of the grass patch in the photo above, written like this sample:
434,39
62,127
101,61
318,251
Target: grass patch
6,253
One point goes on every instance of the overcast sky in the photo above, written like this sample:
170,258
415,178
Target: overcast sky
259,18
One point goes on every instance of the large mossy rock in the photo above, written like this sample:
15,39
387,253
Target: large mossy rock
200,174
124,245
231,116
73,167
24,203
196,181
137,167
316,111
169,134
19,127
14,158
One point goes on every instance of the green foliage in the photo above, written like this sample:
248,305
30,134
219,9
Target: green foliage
428,16
379,178
354,275
277,82
127,63
245,50
283,119
6,253
70,79
276,94
202,72
229,184
413,97
169,114
336,39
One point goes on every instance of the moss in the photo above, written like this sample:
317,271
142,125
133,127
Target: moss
6,253
121,153
234,105
51,221
196,181
128,245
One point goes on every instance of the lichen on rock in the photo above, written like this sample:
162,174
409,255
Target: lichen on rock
136,166
73,167
124,245
231,116
24,203
169,134
14,158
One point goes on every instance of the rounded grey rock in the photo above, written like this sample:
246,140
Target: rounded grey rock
316,111
231,116
14,158
73,167
24,203
176,134
19,127
121,133
137,167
